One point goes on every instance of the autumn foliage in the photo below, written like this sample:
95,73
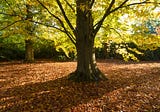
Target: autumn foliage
43,86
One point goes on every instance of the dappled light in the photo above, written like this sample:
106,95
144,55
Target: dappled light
43,86
18,74
79,56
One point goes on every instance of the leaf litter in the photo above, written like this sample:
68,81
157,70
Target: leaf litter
43,87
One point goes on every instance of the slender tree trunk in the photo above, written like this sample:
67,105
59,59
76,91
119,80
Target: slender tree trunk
87,69
29,51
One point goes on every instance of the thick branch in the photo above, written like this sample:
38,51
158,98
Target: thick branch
60,21
50,12
65,16
92,2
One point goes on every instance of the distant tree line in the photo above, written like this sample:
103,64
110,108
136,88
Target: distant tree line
45,49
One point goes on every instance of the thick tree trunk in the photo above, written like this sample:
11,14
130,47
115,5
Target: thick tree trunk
29,54
87,69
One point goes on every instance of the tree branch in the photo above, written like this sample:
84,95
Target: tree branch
116,31
50,12
10,25
92,2
53,26
123,3
123,6
70,5
145,2
107,12
47,25
60,21
65,16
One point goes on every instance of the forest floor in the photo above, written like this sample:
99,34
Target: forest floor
43,87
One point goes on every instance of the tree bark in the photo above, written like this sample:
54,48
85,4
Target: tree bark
29,51
87,69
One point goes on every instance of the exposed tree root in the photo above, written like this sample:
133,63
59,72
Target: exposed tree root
83,77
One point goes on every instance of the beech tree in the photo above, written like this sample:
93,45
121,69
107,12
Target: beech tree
85,30
29,51
15,21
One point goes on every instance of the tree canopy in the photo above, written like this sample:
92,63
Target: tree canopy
61,15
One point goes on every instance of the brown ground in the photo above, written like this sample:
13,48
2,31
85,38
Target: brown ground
42,87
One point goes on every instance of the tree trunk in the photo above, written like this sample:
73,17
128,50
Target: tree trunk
87,69
29,54
29,50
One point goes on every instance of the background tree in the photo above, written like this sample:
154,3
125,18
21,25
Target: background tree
28,19
16,21
29,55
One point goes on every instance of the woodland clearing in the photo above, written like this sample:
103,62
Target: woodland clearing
43,86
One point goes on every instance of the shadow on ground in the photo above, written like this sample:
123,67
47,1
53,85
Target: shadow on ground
61,95
55,95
